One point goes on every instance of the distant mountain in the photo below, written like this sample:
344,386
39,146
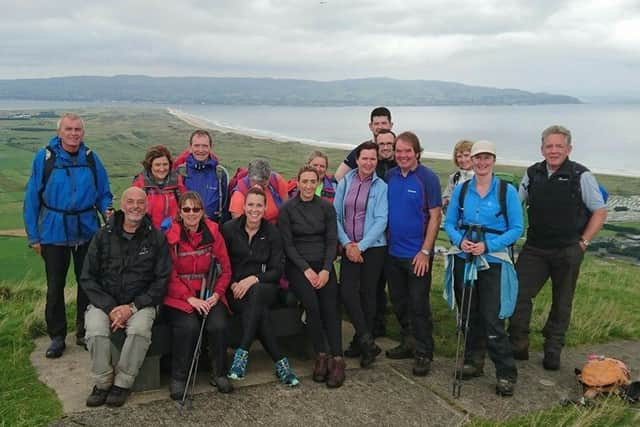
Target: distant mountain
267,91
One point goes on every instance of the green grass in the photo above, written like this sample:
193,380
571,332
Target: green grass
120,137
25,400
609,412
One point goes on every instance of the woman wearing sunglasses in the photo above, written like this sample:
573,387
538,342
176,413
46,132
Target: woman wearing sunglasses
194,243
255,250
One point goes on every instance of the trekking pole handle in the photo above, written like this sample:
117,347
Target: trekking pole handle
210,282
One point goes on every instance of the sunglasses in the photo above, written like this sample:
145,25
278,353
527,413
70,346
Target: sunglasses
189,210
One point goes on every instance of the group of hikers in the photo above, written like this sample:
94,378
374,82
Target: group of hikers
253,237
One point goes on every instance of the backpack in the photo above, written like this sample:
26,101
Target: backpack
223,178
502,198
603,375
50,165
240,182
328,191
508,177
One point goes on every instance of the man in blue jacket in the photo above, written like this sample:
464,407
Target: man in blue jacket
202,173
68,184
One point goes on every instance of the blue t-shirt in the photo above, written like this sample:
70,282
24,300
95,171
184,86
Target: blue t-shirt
410,199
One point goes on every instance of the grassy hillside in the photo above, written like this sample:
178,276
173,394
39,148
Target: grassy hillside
121,137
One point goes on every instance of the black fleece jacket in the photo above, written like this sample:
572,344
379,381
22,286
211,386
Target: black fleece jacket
118,270
309,232
262,257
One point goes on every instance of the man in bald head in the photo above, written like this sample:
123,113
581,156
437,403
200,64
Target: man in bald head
125,274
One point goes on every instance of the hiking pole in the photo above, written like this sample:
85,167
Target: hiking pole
461,349
206,290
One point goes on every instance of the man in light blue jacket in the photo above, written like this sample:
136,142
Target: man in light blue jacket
361,210
67,188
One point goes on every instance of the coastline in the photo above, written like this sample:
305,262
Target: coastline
203,123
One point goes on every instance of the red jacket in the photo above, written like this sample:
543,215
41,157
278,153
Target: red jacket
162,202
191,255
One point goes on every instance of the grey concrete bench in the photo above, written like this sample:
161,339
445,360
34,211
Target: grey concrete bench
287,325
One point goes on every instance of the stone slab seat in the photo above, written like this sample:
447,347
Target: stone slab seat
286,316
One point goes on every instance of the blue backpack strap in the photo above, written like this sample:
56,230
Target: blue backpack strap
273,187
50,165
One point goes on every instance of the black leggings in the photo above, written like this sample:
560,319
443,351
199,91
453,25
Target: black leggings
185,328
321,305
256,319
358,286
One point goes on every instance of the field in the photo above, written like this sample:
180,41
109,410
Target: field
120,138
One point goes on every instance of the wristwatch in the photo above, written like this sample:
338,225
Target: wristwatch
427,252
134,309
586,242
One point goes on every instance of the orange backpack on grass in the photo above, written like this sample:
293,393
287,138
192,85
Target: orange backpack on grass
603,375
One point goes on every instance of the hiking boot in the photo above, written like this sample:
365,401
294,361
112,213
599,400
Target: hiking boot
221,383
56,348
421,365
369,351
285,374
468,371
117,396
97,397
81,342
551,361
504,387
401,351
353,350
239,364
176,389
336,376
520,352
321,368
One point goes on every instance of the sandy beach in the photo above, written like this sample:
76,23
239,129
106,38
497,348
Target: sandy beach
202,123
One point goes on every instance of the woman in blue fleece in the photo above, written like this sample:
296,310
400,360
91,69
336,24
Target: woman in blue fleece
483,234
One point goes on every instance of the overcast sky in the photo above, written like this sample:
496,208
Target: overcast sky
578,48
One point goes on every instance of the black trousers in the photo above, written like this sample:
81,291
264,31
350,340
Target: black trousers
486,329
56,264
410,298
321,306
358,286
379,319
185,328
256,319
534,267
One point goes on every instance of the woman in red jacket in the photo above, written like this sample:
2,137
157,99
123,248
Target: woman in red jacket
194,241
162,185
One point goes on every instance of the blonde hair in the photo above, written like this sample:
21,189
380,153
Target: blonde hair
460,147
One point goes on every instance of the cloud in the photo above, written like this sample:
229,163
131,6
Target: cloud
563,46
